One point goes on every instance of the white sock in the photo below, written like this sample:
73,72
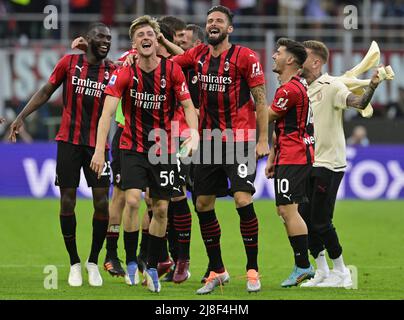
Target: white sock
321,262
339,264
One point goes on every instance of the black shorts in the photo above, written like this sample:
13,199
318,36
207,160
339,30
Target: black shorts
116,158
323,189
138,173
234,174
71,158
291,184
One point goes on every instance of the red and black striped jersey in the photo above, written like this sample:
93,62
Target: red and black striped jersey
83,97
225,81
149,101
294,129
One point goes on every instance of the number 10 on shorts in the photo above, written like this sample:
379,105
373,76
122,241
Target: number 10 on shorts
282,185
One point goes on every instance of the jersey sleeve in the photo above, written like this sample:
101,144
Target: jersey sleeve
341,94
119,81
285,99
179,84
122,58
251,68
187,59
59,73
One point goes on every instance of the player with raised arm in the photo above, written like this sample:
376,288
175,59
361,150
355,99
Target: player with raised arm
329,98
228,75
84,78
292,151
148,90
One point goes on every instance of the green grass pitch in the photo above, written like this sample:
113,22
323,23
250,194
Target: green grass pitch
371,233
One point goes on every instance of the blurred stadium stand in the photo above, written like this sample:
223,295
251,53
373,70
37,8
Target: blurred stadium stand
28,51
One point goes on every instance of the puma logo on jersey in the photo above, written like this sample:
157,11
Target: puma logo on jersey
286,91
80,68
287,197
201,63
249,182
177,189
136,79
182,178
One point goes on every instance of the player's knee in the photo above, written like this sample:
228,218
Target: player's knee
133,202
67,203
160,210
242,200
101,205
283,213
204,204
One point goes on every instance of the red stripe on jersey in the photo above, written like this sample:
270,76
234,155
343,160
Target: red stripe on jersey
79,104
138,112
96,107
63,133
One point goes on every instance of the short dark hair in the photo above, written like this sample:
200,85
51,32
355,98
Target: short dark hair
95,25
197,34
224,10
173,22
167,32
295,48
318,48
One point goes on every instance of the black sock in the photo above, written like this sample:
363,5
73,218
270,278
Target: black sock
68,225
164,250
145,237
171,234
182,224
315,244
300,249
130,240
331,243
154,248
100,227
249,233
210,230
144,243
112,241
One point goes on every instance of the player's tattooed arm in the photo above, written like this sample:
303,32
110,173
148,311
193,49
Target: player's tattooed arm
360,102
259,94
37,100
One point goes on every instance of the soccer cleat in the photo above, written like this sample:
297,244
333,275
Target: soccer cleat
164,267
181,272
253,281
337,279
94,277
113,266
75,278
153,283
319,277
132,276
169,275
214,280
297,276
205,276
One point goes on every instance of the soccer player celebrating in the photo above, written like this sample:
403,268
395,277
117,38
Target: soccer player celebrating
228,74
84,79
148,90
329,98
292,152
